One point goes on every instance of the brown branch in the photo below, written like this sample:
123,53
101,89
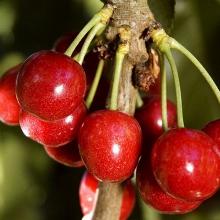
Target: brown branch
138,16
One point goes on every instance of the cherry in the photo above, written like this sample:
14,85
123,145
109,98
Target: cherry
64,41
9,107
52,133
67,155
50,85
213,130
150,117
185,164
153,195
88,193
110,144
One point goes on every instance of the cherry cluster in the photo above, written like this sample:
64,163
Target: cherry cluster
177,168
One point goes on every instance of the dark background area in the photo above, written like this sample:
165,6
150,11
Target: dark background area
32,186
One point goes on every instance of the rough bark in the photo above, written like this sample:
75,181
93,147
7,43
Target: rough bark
137,15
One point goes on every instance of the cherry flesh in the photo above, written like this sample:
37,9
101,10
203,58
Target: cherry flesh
9,107
110,144
150,117
185,164
88,194
50,85
52,133
67,155
153,195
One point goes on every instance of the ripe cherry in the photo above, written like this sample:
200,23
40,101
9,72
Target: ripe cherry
67,155
9,107
88,193
110,144
150,117
213,130
50,85
153,195
64,41
52,133
185,164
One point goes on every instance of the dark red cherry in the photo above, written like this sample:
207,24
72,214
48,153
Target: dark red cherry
9,107
185,164
213,130
50,85
64,41
110,144
150,117
88,194
153,195
52,133
67,155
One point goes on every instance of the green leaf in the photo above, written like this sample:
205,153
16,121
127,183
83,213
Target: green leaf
164,12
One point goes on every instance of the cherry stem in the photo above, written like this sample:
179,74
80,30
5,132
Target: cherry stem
102,16
172,63
95,20
176,45
95,84
163,94
123,49
119,58
88,41
139,101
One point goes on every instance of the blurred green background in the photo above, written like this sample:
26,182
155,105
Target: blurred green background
32,186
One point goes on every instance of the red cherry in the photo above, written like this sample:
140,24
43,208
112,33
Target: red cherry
67,155
64,41
153,195
155,88
185,164
9,107
150,117
50,85
52,133
88,194
110,144
213,130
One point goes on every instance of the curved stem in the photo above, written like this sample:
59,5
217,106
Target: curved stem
176,45
163,94
88,41
139,101
95,20
172,63
95,84
116,79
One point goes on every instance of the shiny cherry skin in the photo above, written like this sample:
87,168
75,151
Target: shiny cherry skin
52,133
150,117
213,131
153,195
9,107
185,164
88,194
50,85
110,144
67,155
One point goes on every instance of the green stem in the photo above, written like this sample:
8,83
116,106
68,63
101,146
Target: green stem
176,45
88,41
95,84
139,101
163,93
119,57
95,20
172,63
